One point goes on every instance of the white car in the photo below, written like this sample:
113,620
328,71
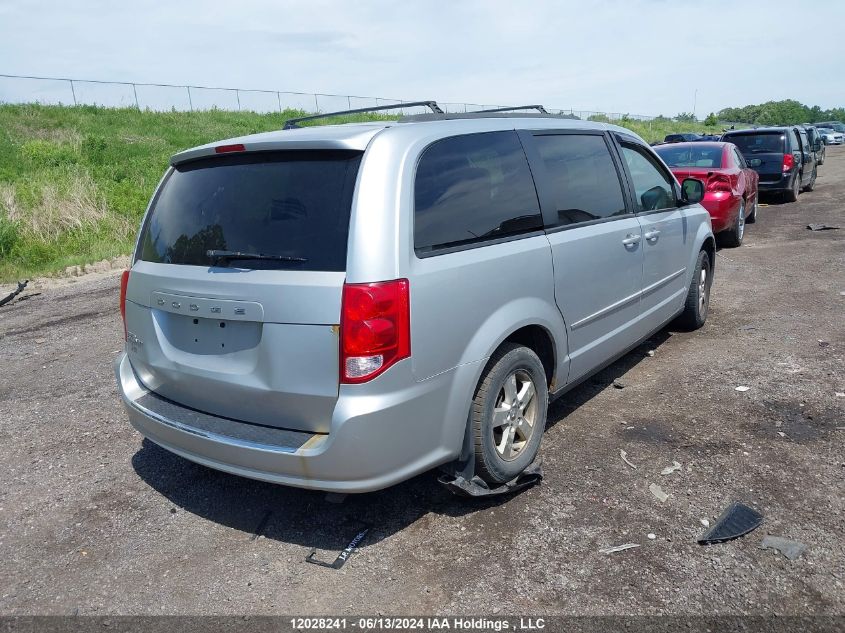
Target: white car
831,137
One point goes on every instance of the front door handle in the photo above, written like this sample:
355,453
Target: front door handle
652,236
631,239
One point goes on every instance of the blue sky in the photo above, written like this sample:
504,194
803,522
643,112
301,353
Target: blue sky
636,56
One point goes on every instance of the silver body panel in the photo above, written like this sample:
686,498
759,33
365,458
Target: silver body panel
273,366
600,308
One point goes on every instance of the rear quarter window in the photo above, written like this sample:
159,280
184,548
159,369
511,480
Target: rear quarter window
473,188
293,204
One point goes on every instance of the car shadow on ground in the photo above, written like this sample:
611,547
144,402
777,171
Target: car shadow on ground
309,518
773,199
611,377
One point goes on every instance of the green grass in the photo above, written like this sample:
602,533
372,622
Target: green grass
74,181
657,129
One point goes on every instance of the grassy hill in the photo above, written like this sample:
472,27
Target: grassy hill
74,181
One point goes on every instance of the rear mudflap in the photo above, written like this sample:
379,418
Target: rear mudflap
460,479
477,487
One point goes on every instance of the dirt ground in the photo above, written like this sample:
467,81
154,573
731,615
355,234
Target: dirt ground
95,520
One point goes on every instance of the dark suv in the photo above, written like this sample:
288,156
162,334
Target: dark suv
681,138
782,156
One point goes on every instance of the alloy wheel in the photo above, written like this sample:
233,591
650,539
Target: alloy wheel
515,415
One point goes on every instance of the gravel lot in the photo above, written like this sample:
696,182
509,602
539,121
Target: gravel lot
94,520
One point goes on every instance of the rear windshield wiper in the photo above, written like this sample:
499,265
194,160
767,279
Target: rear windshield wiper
218,256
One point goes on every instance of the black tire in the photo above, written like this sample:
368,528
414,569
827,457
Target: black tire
752,217
812,183
732,238
523,364
695,310
792,194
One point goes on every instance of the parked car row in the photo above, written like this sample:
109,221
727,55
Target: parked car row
838,127
744,163
831,136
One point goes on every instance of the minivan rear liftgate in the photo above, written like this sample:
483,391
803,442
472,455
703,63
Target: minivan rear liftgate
233,301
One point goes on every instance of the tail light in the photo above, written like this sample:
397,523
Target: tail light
719,182
124,282
788,162
375,329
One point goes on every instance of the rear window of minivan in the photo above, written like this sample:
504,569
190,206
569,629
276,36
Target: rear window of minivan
291,204
759,142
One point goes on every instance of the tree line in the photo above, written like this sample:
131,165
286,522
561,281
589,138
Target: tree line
784,112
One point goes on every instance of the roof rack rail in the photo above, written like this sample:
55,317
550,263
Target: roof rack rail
537,107
292,123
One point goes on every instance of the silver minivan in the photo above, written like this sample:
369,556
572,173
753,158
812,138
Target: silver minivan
342,307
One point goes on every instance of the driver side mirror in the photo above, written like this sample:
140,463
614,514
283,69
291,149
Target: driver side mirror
692,191
817,145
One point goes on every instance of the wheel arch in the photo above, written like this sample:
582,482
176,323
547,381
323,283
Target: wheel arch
539,340
709,245
539,335
531,321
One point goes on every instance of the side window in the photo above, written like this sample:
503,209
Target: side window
473,188
582,176
653,188
740,161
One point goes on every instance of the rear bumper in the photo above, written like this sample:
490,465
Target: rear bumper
376,440
783,184
723,209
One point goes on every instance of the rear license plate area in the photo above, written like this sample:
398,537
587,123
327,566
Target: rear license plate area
208,336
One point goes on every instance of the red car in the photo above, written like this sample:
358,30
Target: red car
730,186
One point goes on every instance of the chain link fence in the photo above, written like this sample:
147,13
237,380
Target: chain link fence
161,97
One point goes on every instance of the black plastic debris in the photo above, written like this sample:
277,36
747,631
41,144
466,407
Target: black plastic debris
822,227
789,548
343,556
738,520
14,293
477,487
